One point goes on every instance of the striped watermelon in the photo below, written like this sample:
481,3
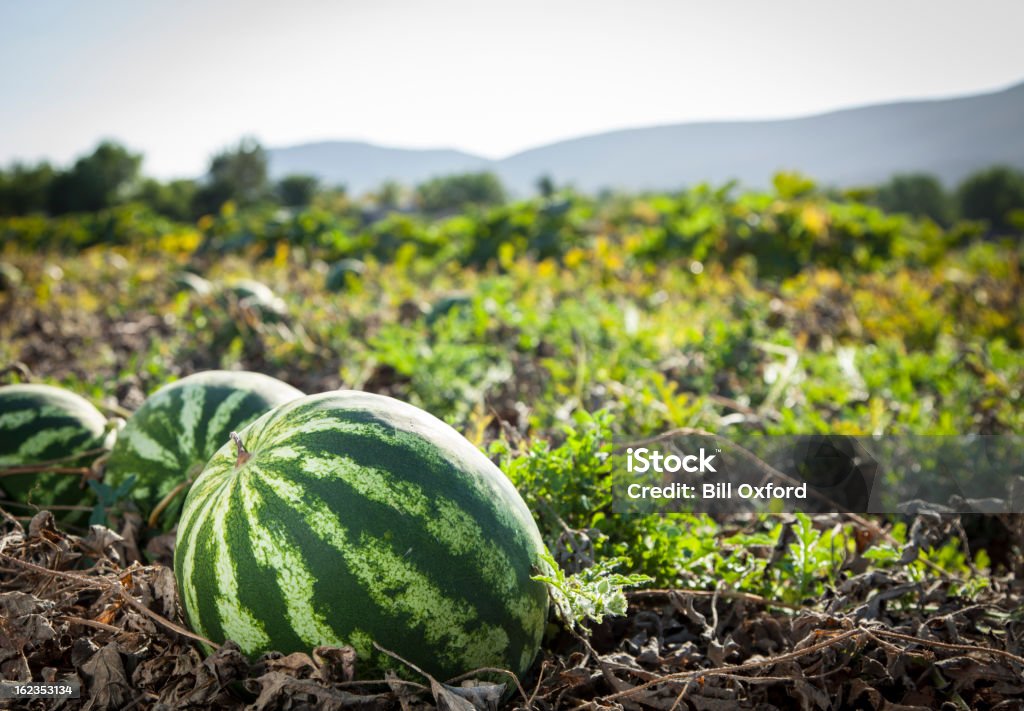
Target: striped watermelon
352,518
344,274
259,298
178,428
40,423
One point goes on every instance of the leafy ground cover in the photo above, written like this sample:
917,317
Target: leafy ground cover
552,332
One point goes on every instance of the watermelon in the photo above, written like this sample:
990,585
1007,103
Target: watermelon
344,273
350,518
41,423
259,298
176,430
190,282
447,304
10,277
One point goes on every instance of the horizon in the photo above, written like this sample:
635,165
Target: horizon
640,127
441,148
179,83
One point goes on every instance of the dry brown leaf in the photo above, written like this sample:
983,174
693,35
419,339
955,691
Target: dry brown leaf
106,680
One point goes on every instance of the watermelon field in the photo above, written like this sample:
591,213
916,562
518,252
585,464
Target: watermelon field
550,333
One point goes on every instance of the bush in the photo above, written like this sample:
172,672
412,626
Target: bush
173,199
297,190
25,189
455,192
917,194
98,181
238,175
991,195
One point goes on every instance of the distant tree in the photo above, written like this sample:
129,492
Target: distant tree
389,195
454,192
25,189
991,195
917,194
333,199
546,186
858,193
297,190
172,199
97,181
238,174
792,185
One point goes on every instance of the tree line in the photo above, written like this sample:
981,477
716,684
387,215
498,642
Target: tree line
994,195
111,176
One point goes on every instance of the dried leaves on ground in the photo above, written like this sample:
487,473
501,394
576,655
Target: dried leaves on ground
87,609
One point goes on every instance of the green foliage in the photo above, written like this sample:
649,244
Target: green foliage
993,195
173,199
790,186
811,560
546,186
297,190
98,181
590,595
390,195
917,194
569,484
237,174
761,234
108,498
455,192
121,225
555,330
25,189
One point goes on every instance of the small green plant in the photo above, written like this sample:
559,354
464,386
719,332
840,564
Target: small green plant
568,484
107,498
591,594
810,558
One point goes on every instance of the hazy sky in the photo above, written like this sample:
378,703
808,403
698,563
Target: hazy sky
179,80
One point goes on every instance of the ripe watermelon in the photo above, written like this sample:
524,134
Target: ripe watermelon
447,304
40,423
10,277
344,273
178,428
259,299
353,518
187,281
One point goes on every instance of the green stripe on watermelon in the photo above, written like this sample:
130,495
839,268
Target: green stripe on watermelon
358,518
42,423
176,430
452,529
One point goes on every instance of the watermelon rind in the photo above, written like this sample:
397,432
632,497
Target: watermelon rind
448,304
10,277
176,430
187,281
42,423
354,518
259,298
344,272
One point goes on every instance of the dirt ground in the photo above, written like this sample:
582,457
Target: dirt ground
89,608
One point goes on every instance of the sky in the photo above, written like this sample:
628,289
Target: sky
181,80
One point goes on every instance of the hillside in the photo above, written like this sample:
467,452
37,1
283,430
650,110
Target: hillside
363,166
949,137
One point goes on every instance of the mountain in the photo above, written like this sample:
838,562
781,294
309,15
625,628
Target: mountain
948,137
364,166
